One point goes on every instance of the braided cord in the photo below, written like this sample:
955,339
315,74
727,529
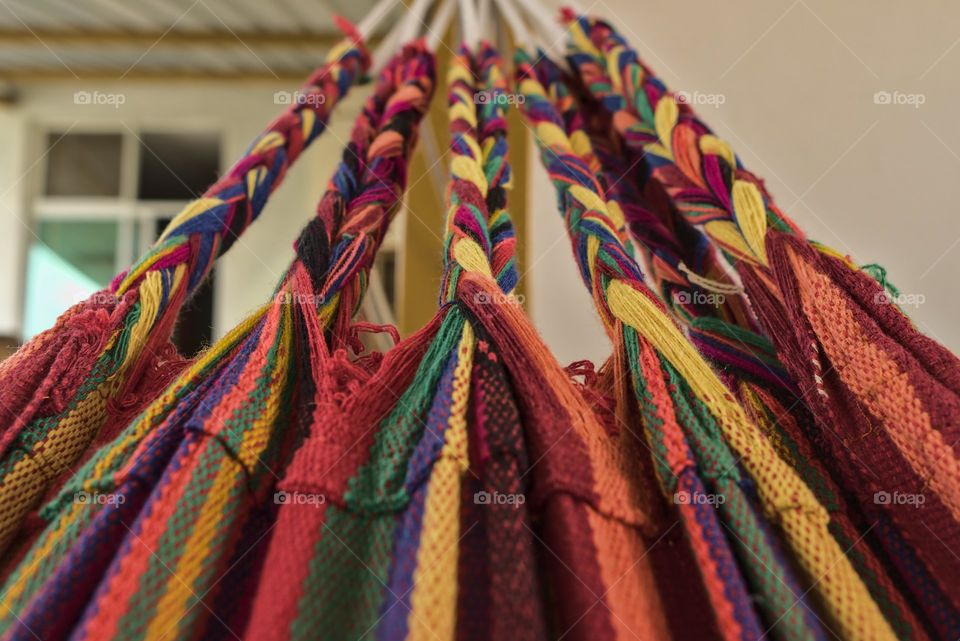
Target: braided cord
701,172
766,570
817,307
207,227
727,338
480,235
624,301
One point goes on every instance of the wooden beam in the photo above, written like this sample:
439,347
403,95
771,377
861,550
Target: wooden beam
144,39
23,75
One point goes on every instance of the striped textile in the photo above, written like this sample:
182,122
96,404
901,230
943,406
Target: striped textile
168,502
833,325
775,591
637,323
79,383
697,290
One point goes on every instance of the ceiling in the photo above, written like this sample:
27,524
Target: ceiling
83,39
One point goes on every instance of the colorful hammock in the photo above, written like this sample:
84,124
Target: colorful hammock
885,397
178,499
82,381
680,394
699,293
462,484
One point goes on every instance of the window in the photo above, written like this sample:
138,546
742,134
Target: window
105,198
177,166
83,164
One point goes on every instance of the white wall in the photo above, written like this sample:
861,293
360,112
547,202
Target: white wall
12,218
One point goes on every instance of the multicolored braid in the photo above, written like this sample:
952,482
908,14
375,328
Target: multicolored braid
725,585
658,354
102,359
720,327
832,324
195,466
595,514
765,567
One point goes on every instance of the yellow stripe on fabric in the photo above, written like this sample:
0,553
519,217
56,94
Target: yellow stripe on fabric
308,117
785,498
581,143
665,119
27,482
433,611
254,178
159,408
728,236
465,110
172,607
751,216
553,136
616,214
179,588
582,40
530,87
150,296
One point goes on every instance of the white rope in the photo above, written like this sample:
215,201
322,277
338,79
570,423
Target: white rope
440,23
370,21
521,35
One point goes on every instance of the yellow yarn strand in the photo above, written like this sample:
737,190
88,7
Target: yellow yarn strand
433,611
783,495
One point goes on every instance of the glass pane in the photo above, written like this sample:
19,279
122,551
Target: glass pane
89,246
177,166
74,260
83,164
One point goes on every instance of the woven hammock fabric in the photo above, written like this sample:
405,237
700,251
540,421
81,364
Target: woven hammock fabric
190,480
700,295
660,359
747,526
832,324
80,382
403,548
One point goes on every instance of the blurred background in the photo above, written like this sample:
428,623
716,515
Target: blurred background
114,114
